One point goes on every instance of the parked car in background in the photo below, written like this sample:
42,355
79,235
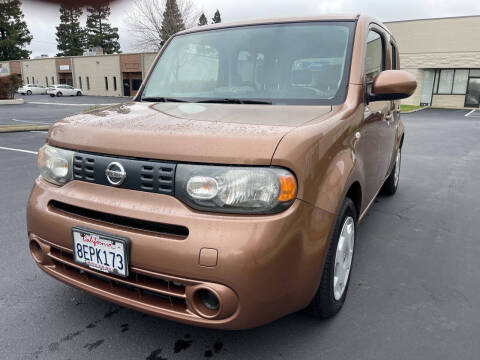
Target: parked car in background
63,90
229,192
32,89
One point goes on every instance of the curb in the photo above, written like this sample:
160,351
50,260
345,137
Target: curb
414,111
12,102
20,128
67,104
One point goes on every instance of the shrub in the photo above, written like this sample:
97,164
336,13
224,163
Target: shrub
9,85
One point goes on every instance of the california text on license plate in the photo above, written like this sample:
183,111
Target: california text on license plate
99,251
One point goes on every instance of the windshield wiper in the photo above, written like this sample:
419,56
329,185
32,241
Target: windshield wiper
163,99
235,101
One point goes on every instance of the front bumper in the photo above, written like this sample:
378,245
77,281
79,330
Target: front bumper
265,266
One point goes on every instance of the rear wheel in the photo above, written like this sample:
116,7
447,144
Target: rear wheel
59,94
29,93
391,185
332,291
79,93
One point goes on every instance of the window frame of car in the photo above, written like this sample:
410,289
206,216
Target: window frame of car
381,33
342,92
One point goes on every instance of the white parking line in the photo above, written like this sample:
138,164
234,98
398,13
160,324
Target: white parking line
31,122
63,104
469,113
18,150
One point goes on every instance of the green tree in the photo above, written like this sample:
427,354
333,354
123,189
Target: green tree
14,34
172,21
70,35
202,20
217,18
99,32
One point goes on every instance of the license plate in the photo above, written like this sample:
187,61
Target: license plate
102,252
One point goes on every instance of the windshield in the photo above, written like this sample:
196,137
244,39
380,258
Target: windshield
296,63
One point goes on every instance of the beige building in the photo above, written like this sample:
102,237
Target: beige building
102,75
444,55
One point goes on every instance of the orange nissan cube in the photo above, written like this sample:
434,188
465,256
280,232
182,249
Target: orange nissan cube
228,193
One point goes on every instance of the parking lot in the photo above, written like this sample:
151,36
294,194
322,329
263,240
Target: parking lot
43,109
413,294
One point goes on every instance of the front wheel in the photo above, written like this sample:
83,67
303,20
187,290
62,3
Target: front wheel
332,291
29,93
79,93
59,94
391,184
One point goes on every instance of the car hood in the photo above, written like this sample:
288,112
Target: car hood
207,133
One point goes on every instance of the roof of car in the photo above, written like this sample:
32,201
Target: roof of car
333,17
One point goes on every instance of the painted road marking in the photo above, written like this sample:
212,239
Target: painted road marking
19,150
473,113
61,104
31,122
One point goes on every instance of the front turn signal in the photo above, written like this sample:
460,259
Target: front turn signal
288,188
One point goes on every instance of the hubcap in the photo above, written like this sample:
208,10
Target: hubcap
398,162
343,257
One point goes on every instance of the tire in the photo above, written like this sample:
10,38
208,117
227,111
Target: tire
391,184
79,93
59,94
329,300
29,93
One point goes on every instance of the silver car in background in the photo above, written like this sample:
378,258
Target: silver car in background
32,89
63,90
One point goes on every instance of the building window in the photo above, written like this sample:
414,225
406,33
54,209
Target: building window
115,83
451,81
106,83
53,80
28,80
88,83
33,80
80,82
46,81
460,81
375,61
446,81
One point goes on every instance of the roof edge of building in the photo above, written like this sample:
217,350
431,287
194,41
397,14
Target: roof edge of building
435,18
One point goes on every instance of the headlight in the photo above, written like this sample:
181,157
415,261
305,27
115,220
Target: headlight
55,164
235,189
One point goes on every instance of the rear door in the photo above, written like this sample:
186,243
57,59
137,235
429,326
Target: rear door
375,113
391,119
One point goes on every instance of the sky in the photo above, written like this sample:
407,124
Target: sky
42,18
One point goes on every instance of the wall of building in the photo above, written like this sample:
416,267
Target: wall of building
443,43
448,101
148,59
38,70
442,35
415,98
96,68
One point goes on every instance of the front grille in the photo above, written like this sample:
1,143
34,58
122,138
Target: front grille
148,290
120,221
142,175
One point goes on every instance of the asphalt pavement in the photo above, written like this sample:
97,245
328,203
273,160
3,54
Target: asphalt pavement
44,110
413,294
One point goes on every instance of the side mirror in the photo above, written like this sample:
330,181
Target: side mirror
392,85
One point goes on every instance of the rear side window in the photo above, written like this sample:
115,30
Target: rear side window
375,61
